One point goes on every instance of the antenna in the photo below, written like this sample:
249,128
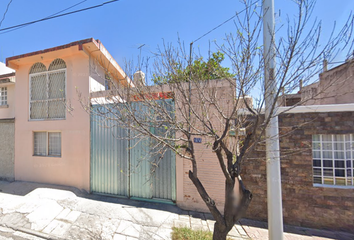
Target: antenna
140,47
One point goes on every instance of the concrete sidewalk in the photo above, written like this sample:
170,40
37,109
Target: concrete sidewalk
40,211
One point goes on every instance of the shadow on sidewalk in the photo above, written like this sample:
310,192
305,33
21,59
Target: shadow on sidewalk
300,231
23,188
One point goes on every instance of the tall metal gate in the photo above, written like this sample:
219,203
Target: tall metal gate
122,165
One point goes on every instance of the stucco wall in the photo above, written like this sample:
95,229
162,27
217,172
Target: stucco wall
337,85
303,203
97,76
7,151
73,167
9,110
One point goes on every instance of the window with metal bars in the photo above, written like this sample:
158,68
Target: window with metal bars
107,82
47,144
48,91
3,96
333,159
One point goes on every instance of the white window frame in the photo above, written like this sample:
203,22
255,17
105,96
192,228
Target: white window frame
2,91
47,144
47,89
348,156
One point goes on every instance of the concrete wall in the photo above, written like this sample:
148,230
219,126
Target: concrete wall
7,151
73,167
303,203
337,85
97,76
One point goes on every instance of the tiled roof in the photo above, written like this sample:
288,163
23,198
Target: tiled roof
7,75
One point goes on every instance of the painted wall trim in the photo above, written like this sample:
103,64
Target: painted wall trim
347,107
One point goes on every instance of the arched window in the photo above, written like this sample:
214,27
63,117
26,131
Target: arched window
37,68
48,91
57,64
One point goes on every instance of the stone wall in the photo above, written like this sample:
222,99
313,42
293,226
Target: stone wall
303,204
7,149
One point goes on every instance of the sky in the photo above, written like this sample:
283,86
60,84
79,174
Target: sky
125,25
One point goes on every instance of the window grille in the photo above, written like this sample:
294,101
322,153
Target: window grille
47,144
37,68
57,64
40,142
333,159
3,96
47,91
54,146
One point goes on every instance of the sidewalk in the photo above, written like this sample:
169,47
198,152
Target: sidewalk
40,211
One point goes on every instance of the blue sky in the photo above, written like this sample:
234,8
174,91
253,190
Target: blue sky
125,25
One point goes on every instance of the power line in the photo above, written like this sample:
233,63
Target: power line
7,8
46,17
223,22
57,16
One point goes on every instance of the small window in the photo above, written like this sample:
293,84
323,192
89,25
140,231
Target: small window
3,96
47,144
333,159
107,82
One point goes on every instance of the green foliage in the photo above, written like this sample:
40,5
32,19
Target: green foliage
199,70
185,233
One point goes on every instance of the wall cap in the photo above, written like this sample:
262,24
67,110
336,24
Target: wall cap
347,107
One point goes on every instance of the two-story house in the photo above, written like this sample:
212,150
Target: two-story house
52,129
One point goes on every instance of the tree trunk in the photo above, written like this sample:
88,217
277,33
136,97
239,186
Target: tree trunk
220,232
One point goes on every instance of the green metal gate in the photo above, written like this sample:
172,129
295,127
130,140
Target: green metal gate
123,165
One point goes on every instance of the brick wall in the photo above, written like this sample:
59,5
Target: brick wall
303,204
209,171
211,176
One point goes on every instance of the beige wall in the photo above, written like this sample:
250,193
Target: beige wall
8,111
7,142
97,76
73,167
209,171
337,85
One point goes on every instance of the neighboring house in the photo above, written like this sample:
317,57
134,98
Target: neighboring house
317,155
7,125
335,86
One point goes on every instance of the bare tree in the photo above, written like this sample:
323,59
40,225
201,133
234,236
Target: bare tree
211,109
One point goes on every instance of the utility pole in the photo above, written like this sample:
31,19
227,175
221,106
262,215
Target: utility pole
274,197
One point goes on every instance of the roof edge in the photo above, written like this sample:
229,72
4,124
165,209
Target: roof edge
8,75
68,45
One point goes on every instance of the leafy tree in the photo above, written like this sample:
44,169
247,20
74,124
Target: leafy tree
199,69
